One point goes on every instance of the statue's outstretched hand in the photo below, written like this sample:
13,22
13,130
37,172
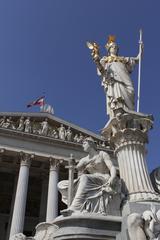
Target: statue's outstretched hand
94,50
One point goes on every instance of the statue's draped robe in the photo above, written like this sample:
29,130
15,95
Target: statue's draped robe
118,84
91,193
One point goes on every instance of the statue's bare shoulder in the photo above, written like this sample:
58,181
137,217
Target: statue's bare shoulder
82,163
106,158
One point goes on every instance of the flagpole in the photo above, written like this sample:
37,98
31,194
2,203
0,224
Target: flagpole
139,69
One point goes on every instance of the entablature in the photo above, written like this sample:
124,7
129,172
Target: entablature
45,136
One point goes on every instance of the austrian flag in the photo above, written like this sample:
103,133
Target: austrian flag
39,102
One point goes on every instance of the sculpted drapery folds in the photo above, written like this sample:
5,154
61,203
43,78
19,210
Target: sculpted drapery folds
115,72
96,185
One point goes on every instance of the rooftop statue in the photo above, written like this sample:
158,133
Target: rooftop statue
115,71
97,183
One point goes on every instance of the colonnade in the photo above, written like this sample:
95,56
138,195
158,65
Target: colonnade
19,208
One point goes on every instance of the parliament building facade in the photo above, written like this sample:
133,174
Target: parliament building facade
35,152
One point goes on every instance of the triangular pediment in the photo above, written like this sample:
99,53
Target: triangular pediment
47,125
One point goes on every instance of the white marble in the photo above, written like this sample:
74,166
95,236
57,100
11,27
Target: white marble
96,186
115,72
128,134
52,202
21,195
145,226
18,236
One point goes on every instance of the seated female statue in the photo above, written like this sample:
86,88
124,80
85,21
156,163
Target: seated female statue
96,184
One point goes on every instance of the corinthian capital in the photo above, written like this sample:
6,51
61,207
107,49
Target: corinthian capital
131,126
26,159
129,136
54,164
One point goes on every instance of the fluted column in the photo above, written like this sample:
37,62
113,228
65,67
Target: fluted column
128,135
21,195
130,151
52,202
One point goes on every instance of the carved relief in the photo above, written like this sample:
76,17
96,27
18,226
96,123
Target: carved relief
45,128
18,236
21,124
54,134
69,134
2,121
145,226
62,132
8,123
27,124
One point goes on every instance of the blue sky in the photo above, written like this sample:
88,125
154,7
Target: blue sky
43,49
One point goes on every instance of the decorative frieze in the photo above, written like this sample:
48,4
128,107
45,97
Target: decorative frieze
44,127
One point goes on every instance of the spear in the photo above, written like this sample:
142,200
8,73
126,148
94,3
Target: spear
71,168
139,68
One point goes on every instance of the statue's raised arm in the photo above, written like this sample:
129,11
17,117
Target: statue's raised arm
95,55
115,71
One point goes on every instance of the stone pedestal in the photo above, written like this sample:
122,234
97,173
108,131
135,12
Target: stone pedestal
87,227
78,226
134,207
127,134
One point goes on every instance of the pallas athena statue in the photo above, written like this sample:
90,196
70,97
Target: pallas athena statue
115,71
97,184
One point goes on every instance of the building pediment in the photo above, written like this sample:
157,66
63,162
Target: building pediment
46,126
